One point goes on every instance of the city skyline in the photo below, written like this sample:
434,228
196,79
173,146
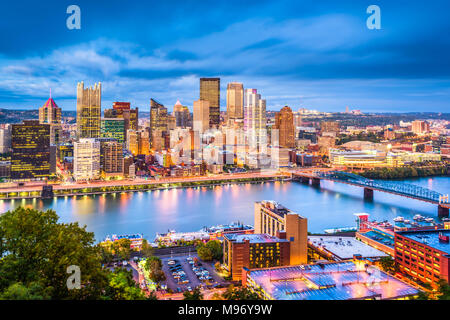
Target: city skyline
283,49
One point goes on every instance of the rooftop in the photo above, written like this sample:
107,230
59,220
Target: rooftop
330,281
344,247
429,238
253,238
276,208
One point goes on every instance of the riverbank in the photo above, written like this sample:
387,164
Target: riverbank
406,172
132,186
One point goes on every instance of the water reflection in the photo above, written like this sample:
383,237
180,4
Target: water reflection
332,205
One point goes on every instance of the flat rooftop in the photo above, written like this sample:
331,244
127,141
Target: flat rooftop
329,281
429,238
344,247
253,238
277,208
379,237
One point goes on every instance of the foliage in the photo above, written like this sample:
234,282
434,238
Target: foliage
194,295
209,251
154,266
388,264
122,286
36,251
147,249
405,172
443,290
204,253
239,293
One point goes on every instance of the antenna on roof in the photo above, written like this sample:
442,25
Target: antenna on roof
50,93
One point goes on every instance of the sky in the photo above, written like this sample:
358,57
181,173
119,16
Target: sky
305,54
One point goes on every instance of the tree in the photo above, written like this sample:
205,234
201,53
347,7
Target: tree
239,293
18,291
122,248
154,266
204,253
194,295
35,248
122,286
147,249
443,290
387,264
216,249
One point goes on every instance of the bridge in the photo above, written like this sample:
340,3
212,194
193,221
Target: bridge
402,189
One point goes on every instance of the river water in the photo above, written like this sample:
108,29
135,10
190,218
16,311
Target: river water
330,206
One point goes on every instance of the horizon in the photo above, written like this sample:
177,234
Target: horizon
317,56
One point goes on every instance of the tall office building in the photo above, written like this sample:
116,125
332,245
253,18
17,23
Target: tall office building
272,218
159,122
201,115
255,127
50,114
111,158
122,110
210,91
284,123
182,115
5,139
88,110
329,126
235,100
30,157
86,159
113,128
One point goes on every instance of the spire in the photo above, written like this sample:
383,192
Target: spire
50,93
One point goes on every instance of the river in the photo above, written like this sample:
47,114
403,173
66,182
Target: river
330,206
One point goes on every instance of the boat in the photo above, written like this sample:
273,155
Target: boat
418,217
445,219
399,219
407,221
429,220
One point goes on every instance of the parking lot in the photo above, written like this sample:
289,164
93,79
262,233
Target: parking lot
181,274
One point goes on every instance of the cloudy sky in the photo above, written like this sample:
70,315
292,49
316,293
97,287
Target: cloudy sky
316,54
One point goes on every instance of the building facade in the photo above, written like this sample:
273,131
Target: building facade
88,110
210,91
113,128
86,164
50,114
271,218
253,251
201,116
284,123
30,158
235,100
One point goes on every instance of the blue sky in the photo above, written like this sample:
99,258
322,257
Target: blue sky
313,54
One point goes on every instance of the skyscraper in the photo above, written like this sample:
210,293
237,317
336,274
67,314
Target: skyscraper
50,114
30,157
235,100
210,91
88,110
113,128
86,159
201,115
158,121
111,158
182,115
284,123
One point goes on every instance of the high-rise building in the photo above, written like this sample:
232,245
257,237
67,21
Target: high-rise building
86,159
284,123
159,122
113,128
111,158
138,142
5,139
88,110
201,115
255,126
182,115
235,100
272,218
420,127
50,114
210,91
30,157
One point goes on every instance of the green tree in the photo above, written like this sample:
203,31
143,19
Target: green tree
122,248
216,249
204,253
147,249
443,290
194,295
35,248
18,291
239,293
154,266
122,286
387,264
